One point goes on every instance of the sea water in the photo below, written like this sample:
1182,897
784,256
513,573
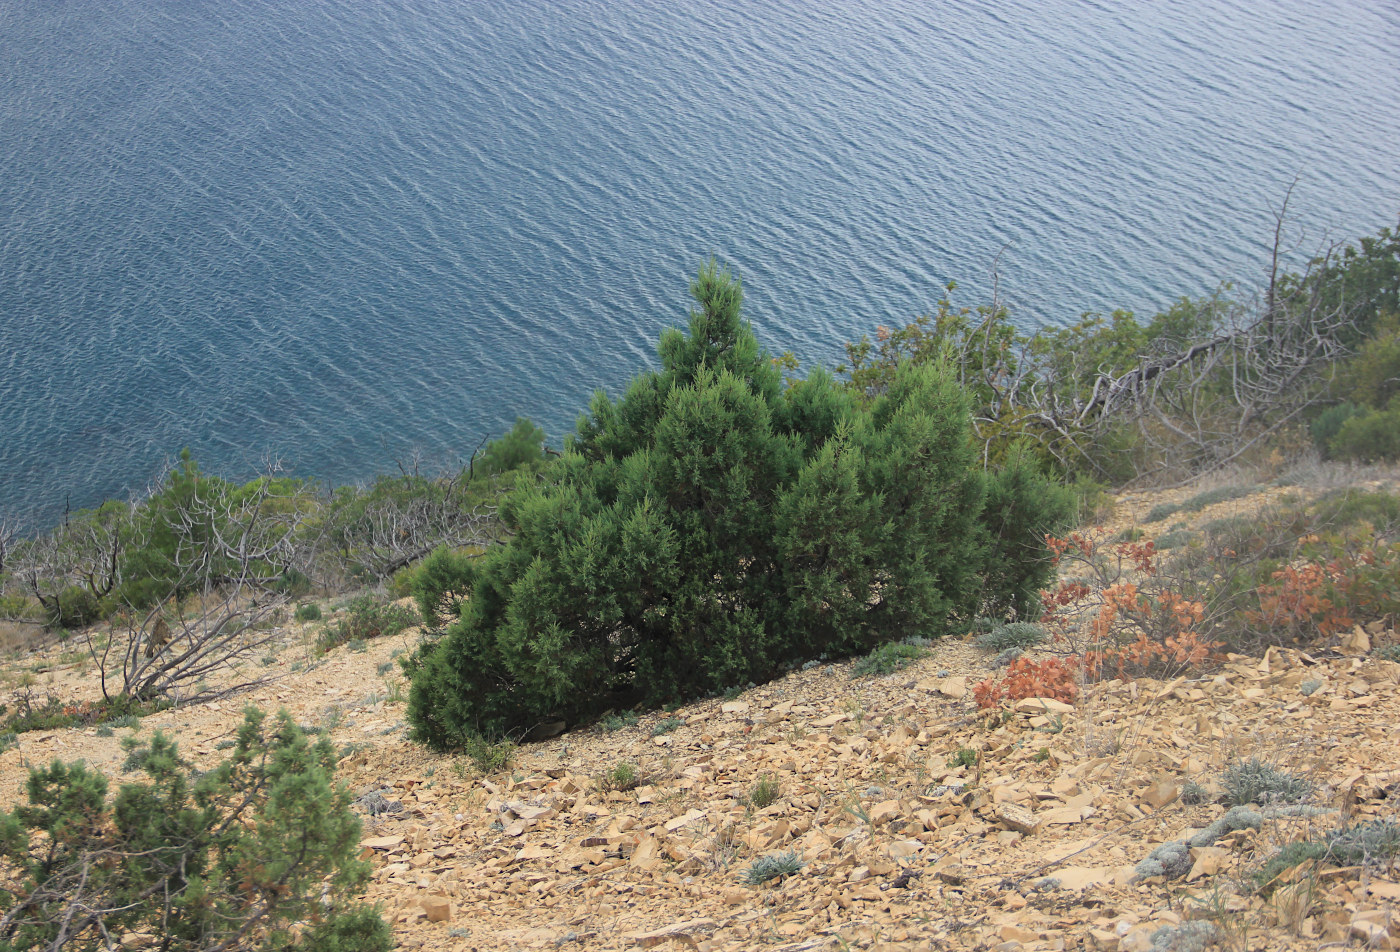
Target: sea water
344,233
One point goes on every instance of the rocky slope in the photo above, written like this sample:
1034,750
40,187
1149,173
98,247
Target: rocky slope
904,817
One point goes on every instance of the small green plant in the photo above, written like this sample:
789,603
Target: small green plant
104,731
267,660
1290,855
489,758
1255,781
616,722
887,659
8,740
384,668
1018,634
963,757
1388,652
666,726
773,866
1043,755
367,617
1310,687
357,645
623,776
311,611
764,792
1193,793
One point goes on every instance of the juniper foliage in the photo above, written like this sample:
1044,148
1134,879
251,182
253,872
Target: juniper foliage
712,527
258,853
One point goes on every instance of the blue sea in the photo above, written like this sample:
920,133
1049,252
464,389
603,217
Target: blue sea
345,233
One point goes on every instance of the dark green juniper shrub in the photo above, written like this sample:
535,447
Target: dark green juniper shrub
258,853
440,584
713,527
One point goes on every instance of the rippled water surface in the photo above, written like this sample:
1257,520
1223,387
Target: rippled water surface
343,231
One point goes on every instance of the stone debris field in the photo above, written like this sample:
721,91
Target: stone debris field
888,811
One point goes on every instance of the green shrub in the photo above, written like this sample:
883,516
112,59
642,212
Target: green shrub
1388,652
1344,509
887,659
1325,427
1163,510
1174,540
1288,856
521,449
1254,781
19,608
243,854
1093,501
666,725
400,584
311,611
1372,376
713,528
1371,437
52,713
773,866
367,617
74,607
8,740
1213,496
1018,634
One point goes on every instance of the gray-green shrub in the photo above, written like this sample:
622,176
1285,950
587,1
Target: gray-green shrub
773,866
1255,781
1018,634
